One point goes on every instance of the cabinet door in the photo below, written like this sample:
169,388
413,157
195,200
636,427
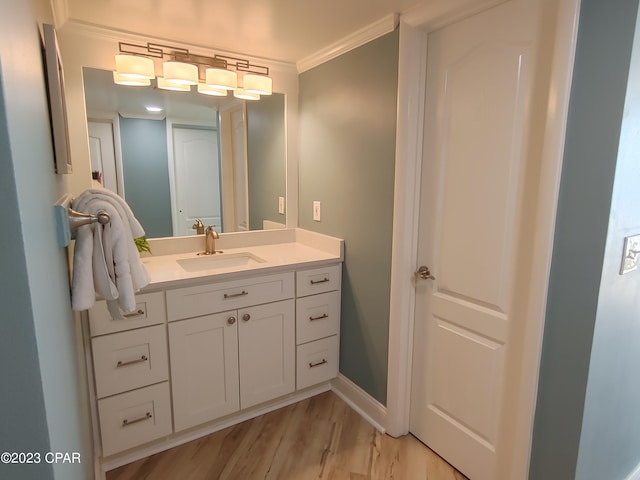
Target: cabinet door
267,352
204,368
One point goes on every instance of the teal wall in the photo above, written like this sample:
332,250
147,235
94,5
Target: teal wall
587,319
347,160
42,405
266,159
145,162
610,437
24,422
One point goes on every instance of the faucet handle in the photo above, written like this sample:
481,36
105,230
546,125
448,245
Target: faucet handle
211,231
198,226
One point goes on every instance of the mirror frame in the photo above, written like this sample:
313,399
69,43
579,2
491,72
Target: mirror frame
87,46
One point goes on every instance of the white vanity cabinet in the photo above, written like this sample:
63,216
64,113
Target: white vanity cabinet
223,360
192,355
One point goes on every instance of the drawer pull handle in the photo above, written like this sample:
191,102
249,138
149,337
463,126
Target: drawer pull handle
139,313
126,423
143,358
319,317
233,295
317,364
324,280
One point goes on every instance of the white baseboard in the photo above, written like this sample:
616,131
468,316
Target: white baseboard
368,407
635,475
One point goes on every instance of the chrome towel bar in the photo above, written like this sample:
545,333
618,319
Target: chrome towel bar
68,220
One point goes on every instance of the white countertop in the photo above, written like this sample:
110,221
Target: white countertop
299,250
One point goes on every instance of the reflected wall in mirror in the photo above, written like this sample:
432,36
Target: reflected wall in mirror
219,159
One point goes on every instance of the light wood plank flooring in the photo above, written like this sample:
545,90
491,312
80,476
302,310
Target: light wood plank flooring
318,438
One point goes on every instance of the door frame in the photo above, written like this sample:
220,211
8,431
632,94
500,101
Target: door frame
114,120
414,30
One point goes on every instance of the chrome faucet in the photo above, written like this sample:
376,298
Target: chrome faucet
210,240
198,227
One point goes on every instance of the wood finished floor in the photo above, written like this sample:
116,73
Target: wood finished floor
318,438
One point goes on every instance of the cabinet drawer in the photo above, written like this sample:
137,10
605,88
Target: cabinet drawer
318,280
127,360
317,316
223,296
149,311
317,362
134,418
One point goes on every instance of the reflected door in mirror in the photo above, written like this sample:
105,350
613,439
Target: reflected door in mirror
196,167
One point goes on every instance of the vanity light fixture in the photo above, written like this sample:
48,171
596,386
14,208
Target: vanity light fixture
259,84
134,66
129,81
208,90
221,78
176,87
182,68
180,73
242,94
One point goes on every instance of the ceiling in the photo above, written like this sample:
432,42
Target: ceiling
283,30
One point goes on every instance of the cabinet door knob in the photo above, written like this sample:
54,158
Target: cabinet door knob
246,317
231,320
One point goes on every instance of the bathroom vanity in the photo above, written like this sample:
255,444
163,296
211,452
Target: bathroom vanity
214,340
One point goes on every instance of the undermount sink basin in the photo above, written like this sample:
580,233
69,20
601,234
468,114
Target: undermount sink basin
219,260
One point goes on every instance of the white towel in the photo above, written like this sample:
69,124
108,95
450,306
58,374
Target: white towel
106,259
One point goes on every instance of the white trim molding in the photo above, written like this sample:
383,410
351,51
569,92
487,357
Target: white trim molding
356,39
60,10
367,407
412,68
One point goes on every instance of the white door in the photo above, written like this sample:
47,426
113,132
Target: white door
102,153
473,208
197,179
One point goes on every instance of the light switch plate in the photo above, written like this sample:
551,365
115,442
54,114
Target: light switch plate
281,205
316,211
630,254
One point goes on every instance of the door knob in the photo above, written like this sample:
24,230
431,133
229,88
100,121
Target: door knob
424,273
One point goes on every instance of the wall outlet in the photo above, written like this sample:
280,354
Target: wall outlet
630,254
281,205
316,211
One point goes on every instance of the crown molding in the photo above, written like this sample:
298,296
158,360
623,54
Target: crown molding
358,38
60,10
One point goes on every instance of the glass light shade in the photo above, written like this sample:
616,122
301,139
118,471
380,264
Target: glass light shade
129,81
260,84
180,73
134,66
242,94
207,90
176,87
221,78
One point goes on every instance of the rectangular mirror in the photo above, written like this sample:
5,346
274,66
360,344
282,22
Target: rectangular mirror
219,159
